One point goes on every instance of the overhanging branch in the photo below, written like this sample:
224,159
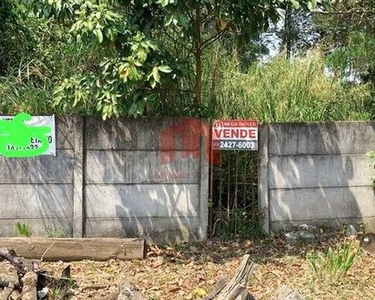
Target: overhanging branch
212,39
347,12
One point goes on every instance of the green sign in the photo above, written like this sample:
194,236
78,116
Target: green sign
18,139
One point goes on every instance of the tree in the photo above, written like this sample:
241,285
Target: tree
348,33
298,33
147,45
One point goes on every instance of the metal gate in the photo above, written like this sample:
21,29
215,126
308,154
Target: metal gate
234,195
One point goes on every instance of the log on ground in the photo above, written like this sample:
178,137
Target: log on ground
74,249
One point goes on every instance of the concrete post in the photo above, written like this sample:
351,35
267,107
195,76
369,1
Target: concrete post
78,177
263,178
203,184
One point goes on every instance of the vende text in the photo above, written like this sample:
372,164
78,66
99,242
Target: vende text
235,133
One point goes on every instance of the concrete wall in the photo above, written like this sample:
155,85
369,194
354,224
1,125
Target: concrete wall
317,173
113,179
39,191
108,179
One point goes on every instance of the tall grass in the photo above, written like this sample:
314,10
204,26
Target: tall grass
18,96
25,89
28,89
335,264
282,91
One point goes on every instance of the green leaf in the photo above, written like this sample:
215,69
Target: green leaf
155,74
168,19
132,109
153,84
99,35
311,4
163,3
183,20
296,5
165,69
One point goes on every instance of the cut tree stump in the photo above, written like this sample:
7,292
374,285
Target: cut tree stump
74,249
286,293
238,283
235,289
218,287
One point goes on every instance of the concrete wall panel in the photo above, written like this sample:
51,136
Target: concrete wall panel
41,169
141,134
321,138
159,230
141,167
318,173
322,203
307,171
39,227
169,200
66,130
36,201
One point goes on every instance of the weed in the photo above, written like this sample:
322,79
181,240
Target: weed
335,263
23,230
55,293
51,233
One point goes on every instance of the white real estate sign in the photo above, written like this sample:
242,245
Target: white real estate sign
235,135
36,121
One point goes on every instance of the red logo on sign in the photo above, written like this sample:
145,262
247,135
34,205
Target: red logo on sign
188,133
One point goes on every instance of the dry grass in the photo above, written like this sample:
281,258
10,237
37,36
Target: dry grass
187,271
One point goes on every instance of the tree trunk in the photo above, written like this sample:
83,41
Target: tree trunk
287,32
198,57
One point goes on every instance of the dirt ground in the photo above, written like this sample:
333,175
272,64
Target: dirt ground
189,271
